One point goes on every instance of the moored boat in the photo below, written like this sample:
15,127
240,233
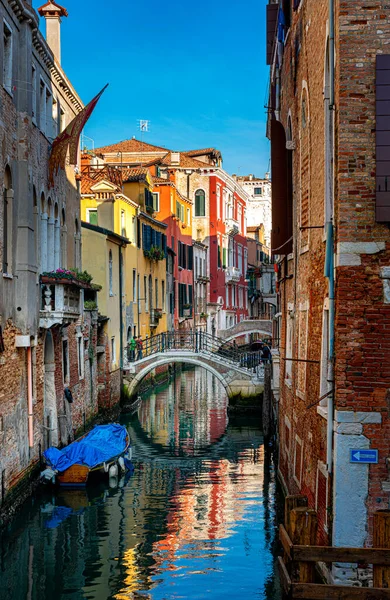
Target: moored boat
105,449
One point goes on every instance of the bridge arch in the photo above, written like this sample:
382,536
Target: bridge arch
197,361
237,334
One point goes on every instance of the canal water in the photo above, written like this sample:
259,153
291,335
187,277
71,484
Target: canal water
195,520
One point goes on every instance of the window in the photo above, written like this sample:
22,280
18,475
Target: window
80,356
110,273
49,113
65,360
146,293
289,344
62,120
123,223
42,107
34,92
92,216
218,201
287,435
245,260
200,203
156,201
156,292
134,285
298,455
138,291
302,348
258,191
239,248
7,57
163,295
55,118
7,221
113,351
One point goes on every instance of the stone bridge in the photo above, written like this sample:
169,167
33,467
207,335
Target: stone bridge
237,381
262,327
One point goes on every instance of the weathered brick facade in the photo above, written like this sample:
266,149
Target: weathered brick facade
39,232
333,160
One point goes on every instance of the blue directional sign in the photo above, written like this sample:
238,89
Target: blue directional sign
363,456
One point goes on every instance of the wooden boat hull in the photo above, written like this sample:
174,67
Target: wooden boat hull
76,475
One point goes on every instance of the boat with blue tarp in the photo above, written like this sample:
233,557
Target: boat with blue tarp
105,449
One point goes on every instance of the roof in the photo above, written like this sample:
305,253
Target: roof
107,232
186,162
134,174
132,145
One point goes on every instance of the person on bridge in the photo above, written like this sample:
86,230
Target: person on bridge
139,348
132,348
266,354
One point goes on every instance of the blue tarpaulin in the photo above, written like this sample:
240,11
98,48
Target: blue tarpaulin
100,445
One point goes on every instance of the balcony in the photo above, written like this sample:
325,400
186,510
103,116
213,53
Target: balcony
232,226
61,303
232,275
155,316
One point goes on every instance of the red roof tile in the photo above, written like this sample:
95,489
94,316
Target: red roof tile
131,145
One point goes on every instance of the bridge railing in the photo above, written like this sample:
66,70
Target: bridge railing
197,341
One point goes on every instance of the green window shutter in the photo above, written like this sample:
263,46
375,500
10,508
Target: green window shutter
224,258
93,217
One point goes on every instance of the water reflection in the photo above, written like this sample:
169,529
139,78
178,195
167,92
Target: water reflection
192,521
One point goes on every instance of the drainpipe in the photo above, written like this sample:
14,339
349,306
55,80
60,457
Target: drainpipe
329,274
331,54
120,310
30,398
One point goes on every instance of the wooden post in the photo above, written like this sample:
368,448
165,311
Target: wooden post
290,503
381,539
303,525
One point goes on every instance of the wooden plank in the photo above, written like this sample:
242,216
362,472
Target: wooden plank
304,526
372,556
381,538
285,541
290,503
314,591
284,576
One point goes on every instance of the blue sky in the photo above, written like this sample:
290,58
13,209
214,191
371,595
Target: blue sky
195,70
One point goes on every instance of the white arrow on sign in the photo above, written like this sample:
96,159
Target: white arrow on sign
356,455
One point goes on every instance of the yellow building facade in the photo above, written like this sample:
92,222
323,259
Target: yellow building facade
151,255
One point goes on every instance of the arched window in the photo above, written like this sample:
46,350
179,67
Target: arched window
200,204
43,235
8,195
110,273
50,236
64,240
57,237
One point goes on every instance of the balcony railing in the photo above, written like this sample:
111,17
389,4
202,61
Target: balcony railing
232,275
232,226
155,316
60,303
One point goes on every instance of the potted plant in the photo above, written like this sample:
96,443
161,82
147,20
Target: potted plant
158,313
203,315
187,310
155,253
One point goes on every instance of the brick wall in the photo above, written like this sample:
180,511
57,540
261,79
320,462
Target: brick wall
362,325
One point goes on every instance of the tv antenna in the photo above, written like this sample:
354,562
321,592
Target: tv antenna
143,126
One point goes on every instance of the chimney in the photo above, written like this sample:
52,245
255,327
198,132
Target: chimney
53,13
175,158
